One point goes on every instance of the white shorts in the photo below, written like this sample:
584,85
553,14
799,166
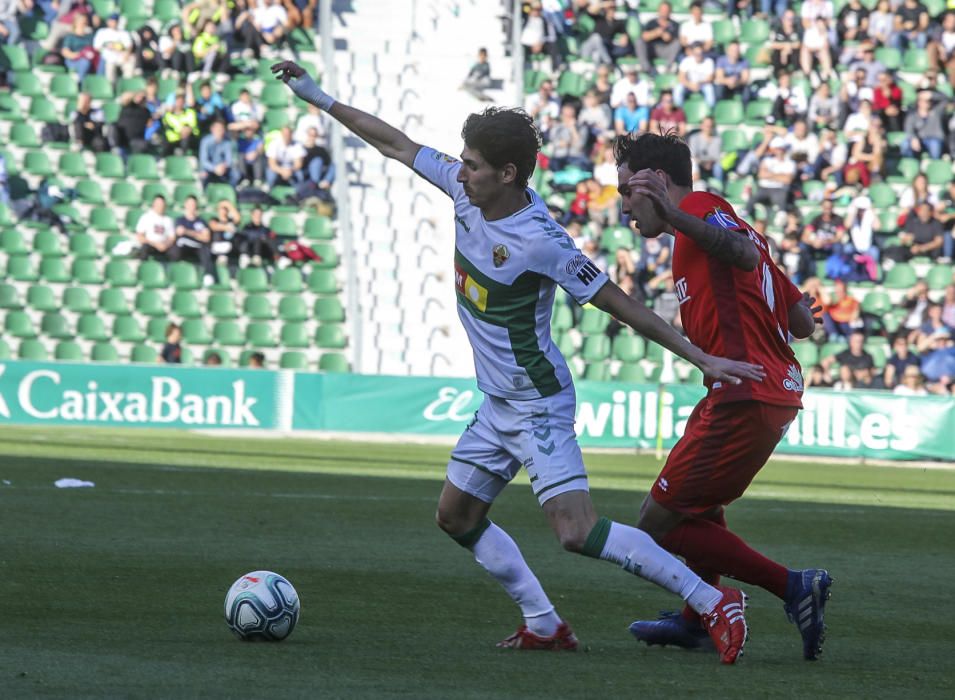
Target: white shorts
506,435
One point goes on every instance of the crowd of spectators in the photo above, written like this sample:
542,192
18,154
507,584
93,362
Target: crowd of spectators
833,132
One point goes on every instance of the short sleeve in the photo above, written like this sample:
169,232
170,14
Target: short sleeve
440,170
557,258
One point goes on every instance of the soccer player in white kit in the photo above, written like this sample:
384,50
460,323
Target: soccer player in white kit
509,257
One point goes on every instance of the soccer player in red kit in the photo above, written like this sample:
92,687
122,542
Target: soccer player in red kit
734,302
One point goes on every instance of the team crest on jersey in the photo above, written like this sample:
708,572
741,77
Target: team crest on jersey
722,219
793,380
438,156
500,254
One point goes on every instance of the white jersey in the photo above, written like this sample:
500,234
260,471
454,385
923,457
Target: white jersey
505,274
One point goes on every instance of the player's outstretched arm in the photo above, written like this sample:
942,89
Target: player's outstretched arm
615,302
726,246
389,141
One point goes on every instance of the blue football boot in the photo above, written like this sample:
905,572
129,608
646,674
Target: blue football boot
671,628
807,593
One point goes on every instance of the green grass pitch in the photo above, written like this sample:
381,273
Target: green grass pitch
117,591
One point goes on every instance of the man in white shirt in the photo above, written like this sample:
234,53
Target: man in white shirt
696,76
155,231
115,48
285,158
773,180
270,18
313,119
696,30
803,146
631,82
543,102
245,113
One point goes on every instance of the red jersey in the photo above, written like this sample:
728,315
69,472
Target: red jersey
738,314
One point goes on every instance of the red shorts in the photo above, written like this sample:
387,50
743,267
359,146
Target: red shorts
724,447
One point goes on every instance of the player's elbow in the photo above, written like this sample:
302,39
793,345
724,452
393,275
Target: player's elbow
801,323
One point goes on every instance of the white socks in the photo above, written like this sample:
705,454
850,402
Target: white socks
637,553
500,556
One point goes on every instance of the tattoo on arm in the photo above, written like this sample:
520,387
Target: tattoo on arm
727,246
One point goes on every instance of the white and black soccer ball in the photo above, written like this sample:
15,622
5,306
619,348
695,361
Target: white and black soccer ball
262,605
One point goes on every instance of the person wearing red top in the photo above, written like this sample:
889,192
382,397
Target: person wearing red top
887,102
733,301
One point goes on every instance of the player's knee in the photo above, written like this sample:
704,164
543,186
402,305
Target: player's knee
447,521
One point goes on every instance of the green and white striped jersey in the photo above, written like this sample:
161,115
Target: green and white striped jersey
505,274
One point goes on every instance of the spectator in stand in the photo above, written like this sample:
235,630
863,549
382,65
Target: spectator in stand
790,102
774,179
665,116
932,325
910,26
912,384
250,159
538,36
887,102
816,9
653,264
706,149
815,50
941,49
818,377
842,315
115,48
628,117
312,119
171,352
600,46
826,233
631,82
479,76
948,306
938,355
602,86
784,44
916,301
212,359
861,222
224,228
10,11
88,125
155,231
543,102
256,360
318,164
195,14
865,60
209,51
256,241
216,156
881,23
4,185
853,93
695,75
285,158
245,114
77,49
858,123
193,240
209,107
924,128
794,255
597,118
180,127
129,131
270,20
659,40
175,52
921,235
803,148
901,359
146,51
823,108
852,358
732,75
866,157
568,141
852,23
696,30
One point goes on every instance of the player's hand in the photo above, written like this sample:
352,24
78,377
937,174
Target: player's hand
809,302
650,185
287,70
724,370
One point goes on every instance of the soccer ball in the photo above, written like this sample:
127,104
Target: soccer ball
262,605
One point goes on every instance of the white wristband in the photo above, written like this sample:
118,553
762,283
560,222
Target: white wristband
306,88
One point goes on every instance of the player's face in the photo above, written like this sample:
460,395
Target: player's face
482,181
638,207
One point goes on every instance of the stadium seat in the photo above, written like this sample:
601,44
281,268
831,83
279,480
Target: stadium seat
294,335
104,219
228,333
259,335
119,273
28,85
5,352
185,304
940,276
113,301
152,275
12,243
184,191
125,194
754,32
915,60
224,359
597,372
318,228
333,362
184,276
127,329
98,87
41,298
890,57
616,237
901,276
593,321
807,353
89,192
876,303
24,136
730,113
879,349
631,372
724,31
596,348
104,352
628,348
69,351
38,163
33,350
91,327
14,57
195,332
156,329
275,119
274,96
179,169
145,354
142,166
329,310
882,195
48,243
288,281
257,307
218,191
42,110
293,359
694,109
222,306
22,268
77,300
757,111
110,166
149,302
331,335
253,280
562,319
56,326
322,282
329,258
293,308
9,297
939,172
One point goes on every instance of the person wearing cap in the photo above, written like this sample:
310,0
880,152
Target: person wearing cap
774,179
696,75
115,48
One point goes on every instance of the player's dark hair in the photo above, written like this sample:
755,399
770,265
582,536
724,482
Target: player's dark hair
502,135
666,152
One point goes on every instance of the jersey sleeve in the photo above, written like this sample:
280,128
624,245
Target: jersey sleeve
440,170
557,258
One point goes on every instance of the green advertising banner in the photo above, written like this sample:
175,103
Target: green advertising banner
138,395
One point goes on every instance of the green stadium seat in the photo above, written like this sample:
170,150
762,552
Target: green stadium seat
294,335
113,302
125,194
152,275
9,108
901,276
283,225
222,306
322,282
333,362
939,172
98,87
104,352
807,353
145,354
915,60
562,319
754,32
91,327
142,166
119,273
293,308
890,57
293,359
318,228
156,329
56,326
257,307
259,335
72,165
877,303
228,333
127,329
274,95
104,219
110,166
89,192
83,245
12,243
86,272
42,298
253,280
69,351
184,191
330,335
28,84
616,237
186,305
631,372
593,321
42,110
757,111
275,119
730,113
9,297
38,163
597,372
179,169
224,359
149,302
882,195
940,276
695,109
288,281
48,243
22,268
33,350
664,81
184,276
134,84
195,332
329,310
77,300
14,57
628,348
724,31
596,348
5,352
218,191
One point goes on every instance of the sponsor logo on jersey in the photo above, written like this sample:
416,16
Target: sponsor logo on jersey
471,290
500,254
663,484
793,380
588,273
575,263
438,156
681,291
